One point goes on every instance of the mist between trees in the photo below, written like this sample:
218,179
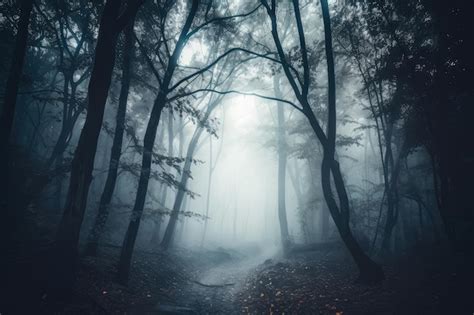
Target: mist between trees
156,125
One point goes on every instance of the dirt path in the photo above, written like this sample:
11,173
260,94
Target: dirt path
226,281
216,289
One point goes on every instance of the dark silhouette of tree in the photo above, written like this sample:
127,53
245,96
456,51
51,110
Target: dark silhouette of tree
9,103
70,63
116,151
369,270
148,143
111,24
163,98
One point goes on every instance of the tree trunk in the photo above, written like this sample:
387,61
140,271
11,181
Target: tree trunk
282,159
370,272
384,126
134,224
148,143
325,223
185,219
155,237
8,109
208,197
59,185
392,202
168,236
41,180
162,193
212,166
116,151
295,182
67,238
234,224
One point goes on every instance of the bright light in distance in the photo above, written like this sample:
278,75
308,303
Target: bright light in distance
194,51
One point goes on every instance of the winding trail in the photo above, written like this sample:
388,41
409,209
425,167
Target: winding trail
216,289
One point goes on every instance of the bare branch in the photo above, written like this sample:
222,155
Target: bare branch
265,56
220,19
304,52
240,93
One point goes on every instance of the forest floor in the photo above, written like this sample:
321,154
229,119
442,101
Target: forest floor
248,281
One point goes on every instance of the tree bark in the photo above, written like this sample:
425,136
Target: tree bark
168,236
116,151
325,223
67,238
148,143
392,201
134,224
369,271
9,104
212,166
208,197
282,159
185,219
162,194
170,228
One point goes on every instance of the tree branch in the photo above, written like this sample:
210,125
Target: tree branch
240,93
148,59
265,56
304,52
198,28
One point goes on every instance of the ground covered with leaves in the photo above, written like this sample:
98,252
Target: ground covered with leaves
323,283
249,281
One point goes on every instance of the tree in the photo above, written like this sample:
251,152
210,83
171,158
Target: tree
70,63
222,78
9,102
163,98
148,143
385,111
369,270
111,24
168,236
116,150
427,60
212,167
282,161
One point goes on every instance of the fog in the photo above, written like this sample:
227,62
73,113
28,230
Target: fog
228,157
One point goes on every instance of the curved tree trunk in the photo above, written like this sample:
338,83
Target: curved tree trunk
148,144
369,271
132,230
170,229
116,151
67,238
